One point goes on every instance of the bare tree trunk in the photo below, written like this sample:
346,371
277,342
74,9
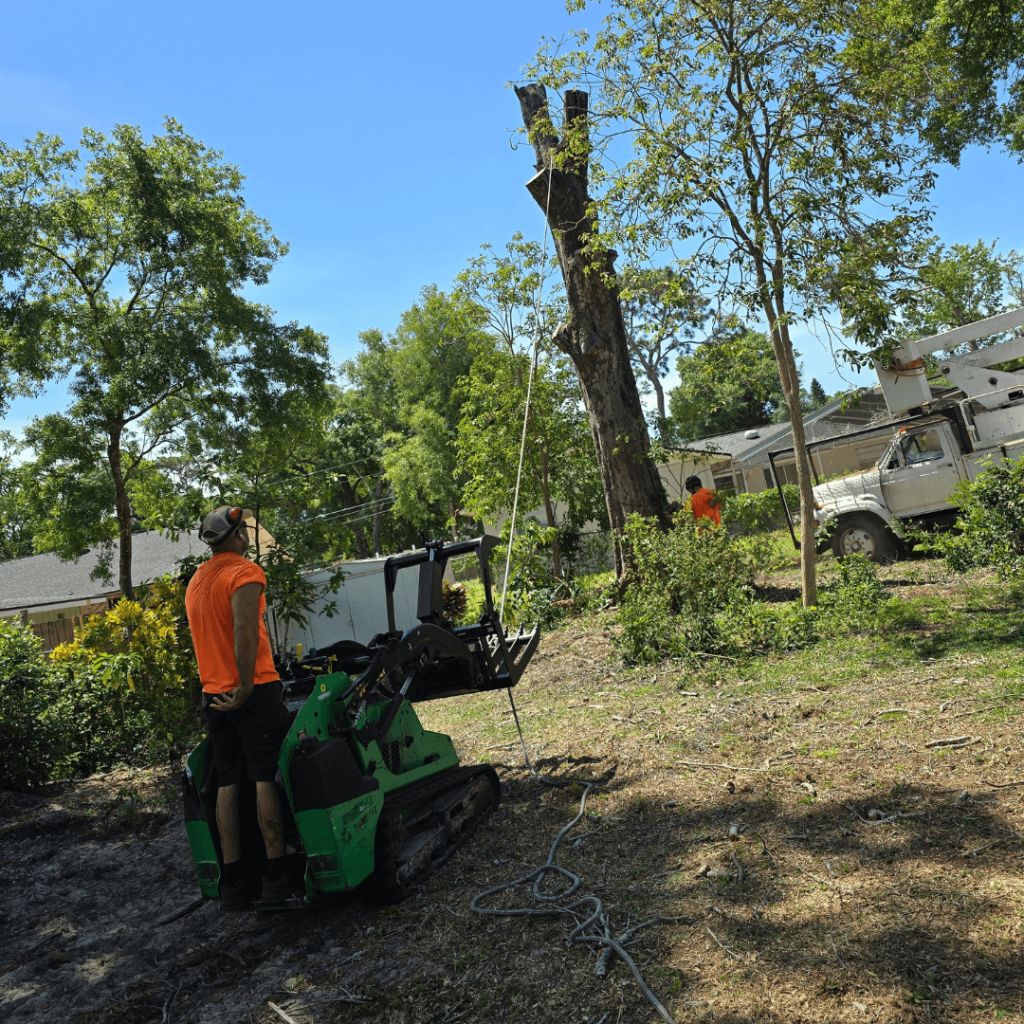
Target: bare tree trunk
791,389
659,396
123,510
775,312
595,337
549,512
348,493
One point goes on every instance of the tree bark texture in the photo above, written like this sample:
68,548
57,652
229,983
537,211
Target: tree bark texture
123,510
790,378
595,337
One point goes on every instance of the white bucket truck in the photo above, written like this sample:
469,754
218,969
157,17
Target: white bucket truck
937,442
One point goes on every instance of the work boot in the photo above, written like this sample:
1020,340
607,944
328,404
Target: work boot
235,896
281,889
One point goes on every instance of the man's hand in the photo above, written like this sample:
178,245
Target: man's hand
231,700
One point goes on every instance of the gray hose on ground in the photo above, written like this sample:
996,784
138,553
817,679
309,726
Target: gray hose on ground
597,918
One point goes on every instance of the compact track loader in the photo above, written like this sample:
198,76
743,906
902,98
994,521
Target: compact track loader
371,797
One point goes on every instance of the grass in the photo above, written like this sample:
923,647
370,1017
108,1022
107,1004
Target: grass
916,918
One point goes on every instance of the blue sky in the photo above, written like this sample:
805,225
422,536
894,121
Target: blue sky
375,138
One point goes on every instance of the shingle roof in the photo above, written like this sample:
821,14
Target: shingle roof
736,444
46,580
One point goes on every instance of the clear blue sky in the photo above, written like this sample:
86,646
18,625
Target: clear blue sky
374,137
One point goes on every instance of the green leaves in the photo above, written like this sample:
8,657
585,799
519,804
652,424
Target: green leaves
123,268
728,384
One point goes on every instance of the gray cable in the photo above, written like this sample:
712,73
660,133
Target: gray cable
597,918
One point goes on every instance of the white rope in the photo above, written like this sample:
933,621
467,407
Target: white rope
529,392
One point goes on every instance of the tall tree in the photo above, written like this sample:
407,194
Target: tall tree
958,285
367,414
558,460
753,149
129,277
595,336
662,310
436,343
730,383
520,296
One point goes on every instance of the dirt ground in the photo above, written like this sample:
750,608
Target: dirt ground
809,856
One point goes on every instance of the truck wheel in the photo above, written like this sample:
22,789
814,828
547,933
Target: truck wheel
864,535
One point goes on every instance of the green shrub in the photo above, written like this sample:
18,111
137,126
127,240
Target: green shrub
681,579
755,628
854,590
759,517
533,589
761,512
991,523
29,739
128,682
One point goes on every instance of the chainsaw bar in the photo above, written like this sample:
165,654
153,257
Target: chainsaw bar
441,813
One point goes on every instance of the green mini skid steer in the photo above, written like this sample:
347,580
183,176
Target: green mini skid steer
370,796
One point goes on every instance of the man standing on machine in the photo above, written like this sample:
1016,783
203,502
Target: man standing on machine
245,715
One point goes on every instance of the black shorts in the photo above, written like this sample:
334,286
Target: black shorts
249,740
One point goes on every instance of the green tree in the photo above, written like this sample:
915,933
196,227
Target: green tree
436,343
368,412
518,292
817,395
958,285
752,147
129,274
730,383
558,460
16,515
662,311
951,68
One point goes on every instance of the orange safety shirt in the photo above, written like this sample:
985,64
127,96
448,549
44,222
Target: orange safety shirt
704,505
208,606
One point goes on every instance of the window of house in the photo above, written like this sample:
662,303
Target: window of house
725,483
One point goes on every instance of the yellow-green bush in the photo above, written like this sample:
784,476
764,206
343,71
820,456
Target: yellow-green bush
129,681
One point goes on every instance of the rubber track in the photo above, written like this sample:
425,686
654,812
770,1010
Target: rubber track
454,779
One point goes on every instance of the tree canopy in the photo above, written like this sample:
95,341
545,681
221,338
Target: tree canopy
953,69
128,275
730,383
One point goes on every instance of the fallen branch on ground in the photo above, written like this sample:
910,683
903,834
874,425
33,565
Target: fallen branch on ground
728,949
974,853
194,905
728,767
953,741
277,1009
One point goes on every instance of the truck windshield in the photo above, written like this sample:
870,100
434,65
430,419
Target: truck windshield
923,447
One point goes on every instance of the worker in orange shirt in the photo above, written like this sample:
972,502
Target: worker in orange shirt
242,699
703,502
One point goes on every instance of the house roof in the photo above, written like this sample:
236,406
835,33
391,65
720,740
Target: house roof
735,445
832,420
46,580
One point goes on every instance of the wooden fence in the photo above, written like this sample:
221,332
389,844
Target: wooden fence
62,631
